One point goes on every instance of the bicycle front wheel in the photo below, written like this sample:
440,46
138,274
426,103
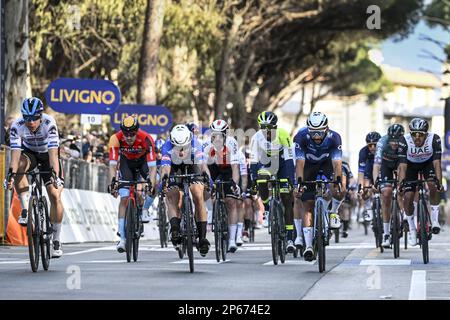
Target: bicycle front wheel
189,232
320,234
273,226
217,231
223,217
282,234
33,234
136,234
129,229
162,223
423,231
395,229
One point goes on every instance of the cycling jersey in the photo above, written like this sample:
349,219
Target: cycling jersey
223,158
242,163
347,172
431,149
264,152
365,162
46,136
196,154
307,149
143,146
385,152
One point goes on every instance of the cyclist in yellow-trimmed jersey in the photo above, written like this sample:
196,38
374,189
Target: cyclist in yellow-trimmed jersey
272,153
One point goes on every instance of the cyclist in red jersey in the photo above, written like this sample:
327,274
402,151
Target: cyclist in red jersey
130,149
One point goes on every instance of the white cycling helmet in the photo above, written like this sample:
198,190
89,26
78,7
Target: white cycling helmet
180,135
219,126
317,121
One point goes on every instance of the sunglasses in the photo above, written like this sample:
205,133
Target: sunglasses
267,126
317,134
417,134
129,134
371,145
31,118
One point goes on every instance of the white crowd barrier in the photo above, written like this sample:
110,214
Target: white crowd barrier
91,216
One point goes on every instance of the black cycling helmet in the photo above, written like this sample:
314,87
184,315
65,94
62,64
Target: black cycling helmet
129,124
418,125
373,137
395,131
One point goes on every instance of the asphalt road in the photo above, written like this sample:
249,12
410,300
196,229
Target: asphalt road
355,270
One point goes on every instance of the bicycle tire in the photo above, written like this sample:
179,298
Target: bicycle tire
129,232
336,235
273,235
405,233
378,227
395,230
162,222
366,228
282,234
136,234
217,231
421,211
181,250
189,232
320,236
33,239
45,235
223,218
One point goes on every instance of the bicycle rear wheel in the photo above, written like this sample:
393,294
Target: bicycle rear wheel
45,234
421,211
282,234
129,229
162,223
217,231
320,233
336,235
136,234
273,226
33,234
378,225
405,233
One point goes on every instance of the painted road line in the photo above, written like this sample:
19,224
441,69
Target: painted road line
291,262
15,262
104,261
418,289
385,262
203,261
90,250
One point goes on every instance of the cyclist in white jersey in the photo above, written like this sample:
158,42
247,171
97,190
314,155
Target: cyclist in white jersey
34,140
420,151
243,183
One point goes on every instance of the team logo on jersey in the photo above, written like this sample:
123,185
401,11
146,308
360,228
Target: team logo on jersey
13,133
52,130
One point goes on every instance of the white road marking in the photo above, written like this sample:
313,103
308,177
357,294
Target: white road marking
291,262
200,261
418,289
104,261
90,250
14,262
385,262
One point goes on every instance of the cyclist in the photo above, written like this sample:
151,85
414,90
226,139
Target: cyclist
34,141
243,184
365,171
318,148
345,208
272,153
182,151
385,163
129,149
420,151
223,162
249,202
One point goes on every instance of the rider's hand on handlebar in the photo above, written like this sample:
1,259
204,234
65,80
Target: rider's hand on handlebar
235,189
112,188
9,181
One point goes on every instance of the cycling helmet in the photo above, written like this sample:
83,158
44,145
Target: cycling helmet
129,124
419,125
219,126
373,137
317,121
267,118
395,131
32,107
180,135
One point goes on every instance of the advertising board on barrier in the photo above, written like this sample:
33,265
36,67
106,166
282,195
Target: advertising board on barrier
82,96
152,119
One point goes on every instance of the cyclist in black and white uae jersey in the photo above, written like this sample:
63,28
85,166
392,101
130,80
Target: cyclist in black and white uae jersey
222,156
34,140
420,151
386,162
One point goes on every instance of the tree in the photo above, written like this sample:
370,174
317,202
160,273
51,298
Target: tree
148,65
17,86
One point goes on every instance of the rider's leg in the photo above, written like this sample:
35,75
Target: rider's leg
434,204
22,187
298,213
56,210
386,192
173,211
201,215
240,208
308,229
232,221
263,190
367,197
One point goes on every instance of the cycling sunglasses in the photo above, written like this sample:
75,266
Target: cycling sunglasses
418,134
31,118
267,126
129,133
317,134
372,145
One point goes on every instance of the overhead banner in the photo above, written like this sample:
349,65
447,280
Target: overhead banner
82,96
152,119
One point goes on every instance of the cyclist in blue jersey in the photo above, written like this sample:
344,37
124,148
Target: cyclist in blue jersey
365,170
317,148
184,152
